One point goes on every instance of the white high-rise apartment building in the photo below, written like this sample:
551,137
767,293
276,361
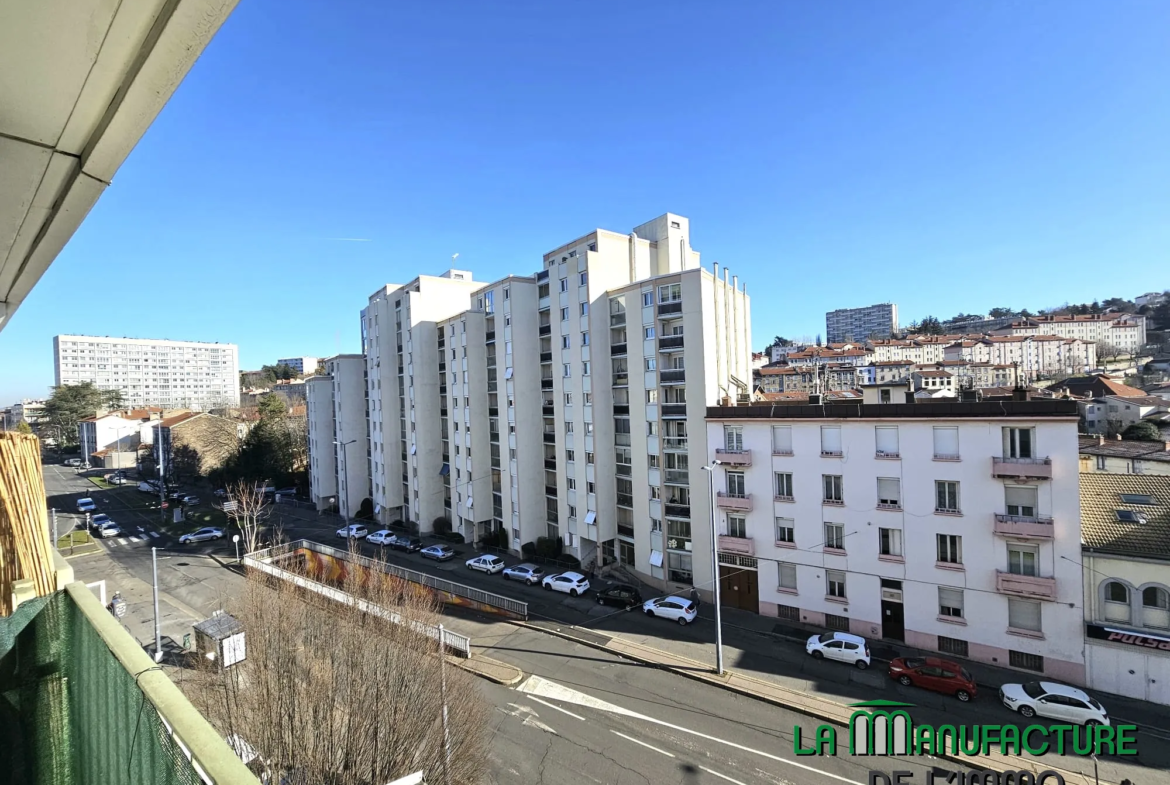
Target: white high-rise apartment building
858,324
569,403
339,448
1126,331
954,529
301,365
170,374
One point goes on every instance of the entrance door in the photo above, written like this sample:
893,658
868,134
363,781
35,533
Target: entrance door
893,621
739,588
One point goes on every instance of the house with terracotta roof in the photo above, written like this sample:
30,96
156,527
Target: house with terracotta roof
1124,330
1117,456
1097,386
194,443
1125,534
1112,414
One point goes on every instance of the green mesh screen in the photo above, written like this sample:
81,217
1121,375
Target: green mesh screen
75,714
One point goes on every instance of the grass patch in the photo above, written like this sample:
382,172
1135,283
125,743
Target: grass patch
75,538
105,486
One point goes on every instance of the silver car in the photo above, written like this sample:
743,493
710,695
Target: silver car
202,535
529,573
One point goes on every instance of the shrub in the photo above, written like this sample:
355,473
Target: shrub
502,539
549,547
570,561
366,510
441,525
528,549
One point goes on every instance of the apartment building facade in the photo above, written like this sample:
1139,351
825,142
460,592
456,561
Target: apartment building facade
859,324
1126,331
339,448
301,365
170,374
956,532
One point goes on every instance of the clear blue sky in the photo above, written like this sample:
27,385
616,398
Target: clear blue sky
946,156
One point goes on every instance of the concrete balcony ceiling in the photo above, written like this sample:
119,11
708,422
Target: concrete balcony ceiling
80,82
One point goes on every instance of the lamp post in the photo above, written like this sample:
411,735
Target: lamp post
158,654
715,570
345,476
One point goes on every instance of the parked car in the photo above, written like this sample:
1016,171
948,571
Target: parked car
108,530
86,505
438,552
934,674
572,583
529,573
190,500
202,535
72,461
404,542
287,493
147,487
220,492
99,520
678,609
839,646
620,594
487,563
1055,701
355,531
380,537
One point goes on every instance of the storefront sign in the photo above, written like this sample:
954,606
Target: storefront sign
1128,638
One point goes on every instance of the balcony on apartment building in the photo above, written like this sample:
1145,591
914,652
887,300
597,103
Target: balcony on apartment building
547,409
673,410
733,457
670,343
545,357
545,329
674,443
676,476
672,376
1032,527
743,546
1032,587
617,349
550,438
670,307
734,502
677,509
1022,468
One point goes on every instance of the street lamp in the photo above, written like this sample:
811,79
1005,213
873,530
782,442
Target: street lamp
345,475
715,570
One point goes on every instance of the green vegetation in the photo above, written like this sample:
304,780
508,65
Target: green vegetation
70,403
23,427
1142,432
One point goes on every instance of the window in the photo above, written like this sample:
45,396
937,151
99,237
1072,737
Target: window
787,580
733,438
1028,662
567,370
952,646
564,314
784,485
950,548
1100,463
507,293
1022,559
584,369
835,536
670,293
950,602
588,398
568,426
564,284
655,492
782,440
1024,614
647,299
1020,500
584,339
648,333
736,526
652,396
564,342
1156,607
652,460
889,492
835,583
736,484
572,511
583,279
1137,498
651,428
890,542
568,399
830,440
589,458
651,364
785,531
588,429
946,443
570,456
946,496
887,441
584,309
1117,602
1018,442
832,484
1129,516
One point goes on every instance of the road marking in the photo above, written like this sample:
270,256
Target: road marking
112,543
535,685
135,539
121,541
152,533
558,708
644,744
721,776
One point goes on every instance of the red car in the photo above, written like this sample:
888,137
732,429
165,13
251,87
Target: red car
932,673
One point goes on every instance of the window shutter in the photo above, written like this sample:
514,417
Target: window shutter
830,438
1020,496
1024,614
889,490
951,598
782,438
946,441
787,576
887,440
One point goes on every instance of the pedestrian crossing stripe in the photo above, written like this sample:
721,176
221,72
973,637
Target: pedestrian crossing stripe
153,534
135,539
121,542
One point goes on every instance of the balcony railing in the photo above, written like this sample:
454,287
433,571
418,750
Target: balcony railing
546,329
550,463
625,500
727,501
744,546
1013,468
617,349
1020,526
673,376
621,380
621,409
550,490
550,438
677,477
670,343
490,335
676,510
625,530
734,457
617,319
546,384
674,410
888,454
674,442
547,410
672,307
1031,586
546,357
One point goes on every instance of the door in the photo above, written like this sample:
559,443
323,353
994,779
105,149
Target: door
1054,707
893,621
834,650
739,588
930,678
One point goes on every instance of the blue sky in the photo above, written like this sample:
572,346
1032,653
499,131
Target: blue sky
946,156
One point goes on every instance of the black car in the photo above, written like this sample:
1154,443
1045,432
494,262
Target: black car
404,542
620,594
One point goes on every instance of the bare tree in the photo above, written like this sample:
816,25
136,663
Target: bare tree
1108,350
331,694
247,507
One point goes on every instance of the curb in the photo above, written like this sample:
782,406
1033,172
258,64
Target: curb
808,710
468,665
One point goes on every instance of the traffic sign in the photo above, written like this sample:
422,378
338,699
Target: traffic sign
229,506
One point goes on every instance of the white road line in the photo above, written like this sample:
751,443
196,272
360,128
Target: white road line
121,541
153,534
558,708
112,543
721,776
644,744
135,539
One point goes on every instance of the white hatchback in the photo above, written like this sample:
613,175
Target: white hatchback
839,646
486,563
354,531
381,537
573,583
1055,701
678,609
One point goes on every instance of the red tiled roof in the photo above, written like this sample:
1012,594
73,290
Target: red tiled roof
171,422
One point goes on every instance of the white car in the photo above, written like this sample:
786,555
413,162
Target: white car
86,505
529,573
99,520
438,552
1055,701
573,583
839,646
489,564
355,531
202,535
380,537
678,609
110,529
72,461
